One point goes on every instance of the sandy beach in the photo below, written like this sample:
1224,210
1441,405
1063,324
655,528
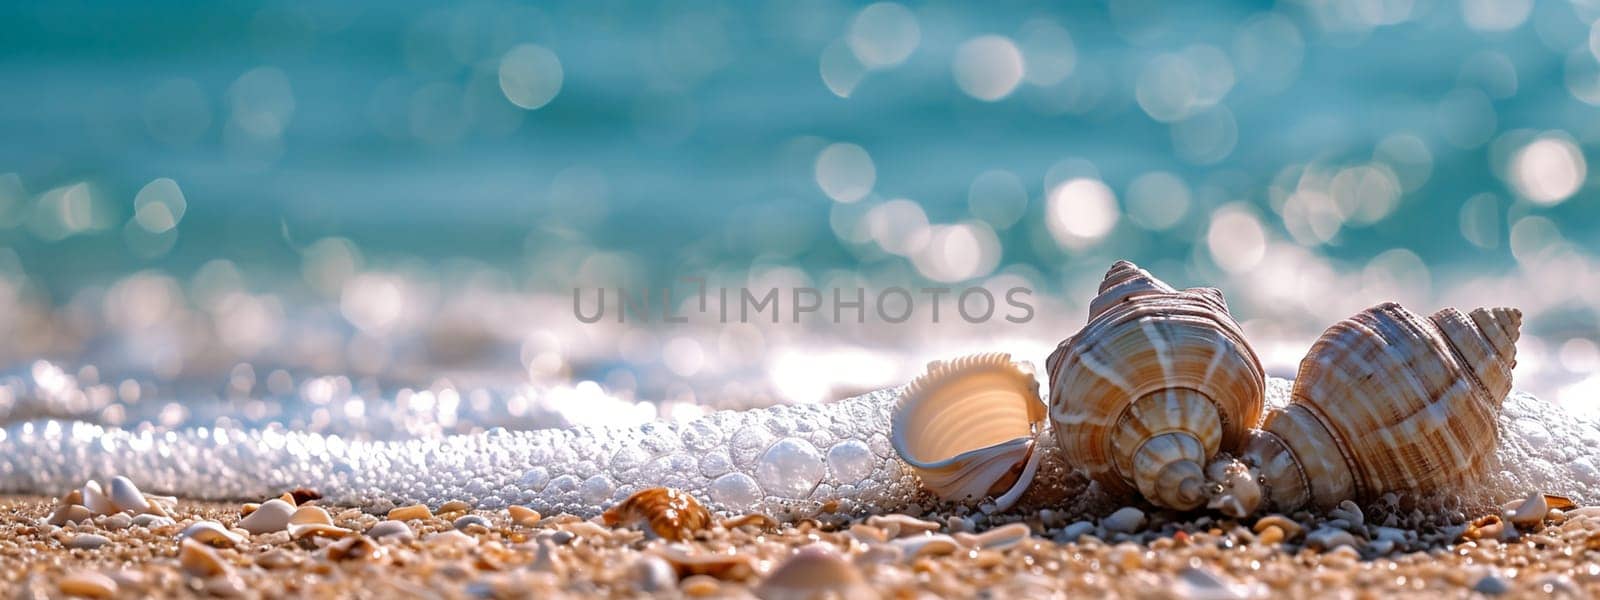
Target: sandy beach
451,552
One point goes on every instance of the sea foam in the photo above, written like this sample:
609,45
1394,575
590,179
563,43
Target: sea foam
789,461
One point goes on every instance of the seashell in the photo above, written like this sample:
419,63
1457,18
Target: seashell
273,515
307,530
71,512
96,500
1153,387
999,538
934,544
355,547
967,427
815,571
302,495
896,525
211,533
310,514
200,560
671,514
127,497
1386,401
1530,513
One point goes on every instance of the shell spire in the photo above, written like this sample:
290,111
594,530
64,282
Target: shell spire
1155,384
1385,401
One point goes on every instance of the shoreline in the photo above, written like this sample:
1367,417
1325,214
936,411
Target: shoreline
491,553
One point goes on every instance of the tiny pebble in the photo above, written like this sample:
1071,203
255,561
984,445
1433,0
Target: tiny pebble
1328,538
465,521
149,520
88,584
1349,511
523,515
1491,585
1272,535
1071,533
653,574
699,585
385,529
117,522
898,525
407,513
936,544
226,585
1197,583
88,541
454,506
1126,520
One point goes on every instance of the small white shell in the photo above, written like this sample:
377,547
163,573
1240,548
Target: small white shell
968,427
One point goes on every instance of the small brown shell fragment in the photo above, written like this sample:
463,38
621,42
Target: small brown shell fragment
523,515
407,513
302,495
670,513
199,559
756,520
1486,527
1559,502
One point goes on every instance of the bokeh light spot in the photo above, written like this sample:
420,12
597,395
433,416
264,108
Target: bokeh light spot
530,76
988,67
1080,212
884,35
845,172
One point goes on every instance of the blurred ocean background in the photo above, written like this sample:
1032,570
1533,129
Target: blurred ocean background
368,204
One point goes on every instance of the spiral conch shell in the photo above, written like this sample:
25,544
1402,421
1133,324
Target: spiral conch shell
1386,401
967,427
1154,386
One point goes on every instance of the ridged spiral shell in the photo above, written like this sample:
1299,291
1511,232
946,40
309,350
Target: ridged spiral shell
670,514
967,428
1153,387
1387,401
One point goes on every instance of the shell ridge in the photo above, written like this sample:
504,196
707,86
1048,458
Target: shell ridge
1340,442
1437,321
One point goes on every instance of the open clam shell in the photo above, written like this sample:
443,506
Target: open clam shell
967,427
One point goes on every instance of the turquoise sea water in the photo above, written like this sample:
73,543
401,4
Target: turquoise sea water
400,193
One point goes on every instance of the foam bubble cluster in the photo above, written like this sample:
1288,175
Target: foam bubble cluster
787,461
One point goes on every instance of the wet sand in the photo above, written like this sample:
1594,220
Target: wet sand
564,556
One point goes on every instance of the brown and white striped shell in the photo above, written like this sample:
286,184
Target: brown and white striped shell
967,427
667,513
1386,401
1153,387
